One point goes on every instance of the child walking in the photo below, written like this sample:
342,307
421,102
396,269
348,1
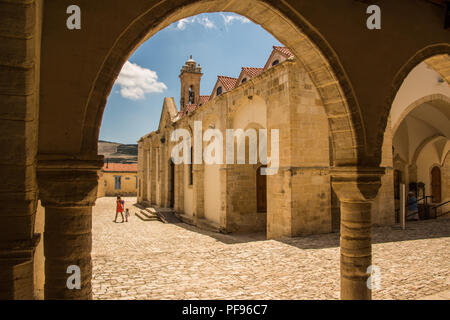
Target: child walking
127,214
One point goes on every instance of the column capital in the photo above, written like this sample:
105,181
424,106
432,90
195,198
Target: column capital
356,184
68,181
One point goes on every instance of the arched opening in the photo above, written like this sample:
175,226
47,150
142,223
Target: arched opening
171,184
334,91
418,130
191,95
326,73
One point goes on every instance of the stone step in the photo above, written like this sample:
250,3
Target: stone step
148,214
145,218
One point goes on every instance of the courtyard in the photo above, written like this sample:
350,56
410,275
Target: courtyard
153,260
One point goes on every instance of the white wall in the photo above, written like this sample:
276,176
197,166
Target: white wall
212,192
421,82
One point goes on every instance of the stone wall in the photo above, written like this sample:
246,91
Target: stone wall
299,196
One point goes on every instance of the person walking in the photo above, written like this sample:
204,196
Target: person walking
119,208
413,211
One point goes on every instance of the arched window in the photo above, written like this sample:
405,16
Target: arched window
275,63
219,91
191,95
244,80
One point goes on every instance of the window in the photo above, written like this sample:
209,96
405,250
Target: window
117,182
219,91
275,63
191,95
244,80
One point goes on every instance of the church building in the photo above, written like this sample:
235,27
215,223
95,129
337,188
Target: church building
298,199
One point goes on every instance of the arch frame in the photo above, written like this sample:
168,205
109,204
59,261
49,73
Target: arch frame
309,46
426,99
423,55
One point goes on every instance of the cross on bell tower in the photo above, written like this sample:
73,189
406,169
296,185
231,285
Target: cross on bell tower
190,76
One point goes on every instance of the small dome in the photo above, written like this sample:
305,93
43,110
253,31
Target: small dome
190,60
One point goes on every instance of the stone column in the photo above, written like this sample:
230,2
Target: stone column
68,189
149,175
20,25
145,173
356,189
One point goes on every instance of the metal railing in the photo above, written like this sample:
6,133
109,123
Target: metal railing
397,211
442,213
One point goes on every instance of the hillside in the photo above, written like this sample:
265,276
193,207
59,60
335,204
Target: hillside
118,153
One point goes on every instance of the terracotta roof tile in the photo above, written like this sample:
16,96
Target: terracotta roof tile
120,167
203,99
284,50
228,82
190,107
252,72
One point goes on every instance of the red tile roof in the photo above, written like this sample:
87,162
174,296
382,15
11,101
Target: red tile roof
228,82
203,99
119,167
252,72
284,50
190,107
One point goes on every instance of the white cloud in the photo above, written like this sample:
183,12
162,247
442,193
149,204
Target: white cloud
135,82
229,19
206,22
202,20
181,25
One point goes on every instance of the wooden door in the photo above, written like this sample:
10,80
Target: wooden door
436,184
261,191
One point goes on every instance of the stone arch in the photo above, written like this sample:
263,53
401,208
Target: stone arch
417,103
243,106
436,56
422,145
308,45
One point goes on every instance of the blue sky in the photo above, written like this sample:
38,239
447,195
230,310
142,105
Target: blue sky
221,43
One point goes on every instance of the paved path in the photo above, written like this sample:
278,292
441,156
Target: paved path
152,260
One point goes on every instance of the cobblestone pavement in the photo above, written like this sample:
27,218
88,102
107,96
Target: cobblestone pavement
152,260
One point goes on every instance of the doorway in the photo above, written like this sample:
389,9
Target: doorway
261,191
171,184
436,184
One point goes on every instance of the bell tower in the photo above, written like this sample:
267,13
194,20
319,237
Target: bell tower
190,76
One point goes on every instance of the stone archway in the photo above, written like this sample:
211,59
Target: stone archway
436,56
327,74
57,86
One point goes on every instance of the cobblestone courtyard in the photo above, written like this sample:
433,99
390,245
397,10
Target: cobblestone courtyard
152,260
